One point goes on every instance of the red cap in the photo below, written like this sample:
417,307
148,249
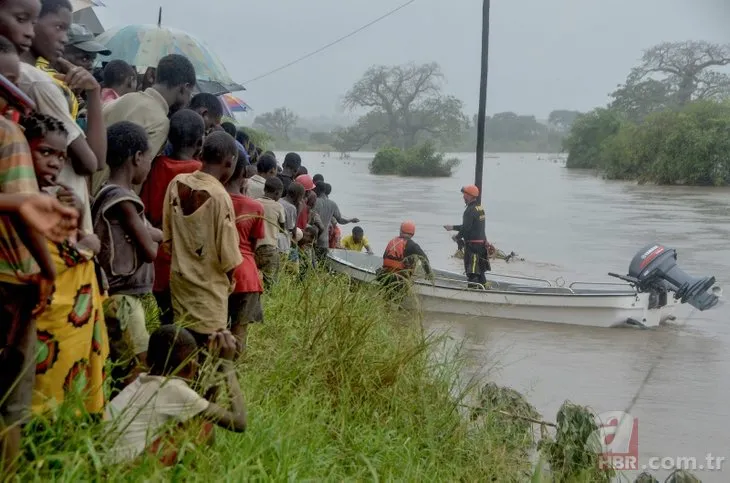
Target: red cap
306,181
471,190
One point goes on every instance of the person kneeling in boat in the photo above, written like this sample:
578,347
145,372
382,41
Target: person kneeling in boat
401,256
472,233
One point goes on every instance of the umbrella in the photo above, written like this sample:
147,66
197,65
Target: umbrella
82,4
144,45
233,104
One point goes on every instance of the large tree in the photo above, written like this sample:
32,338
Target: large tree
673,74
405,105
278,123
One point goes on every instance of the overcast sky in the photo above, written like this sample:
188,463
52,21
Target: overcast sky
544,54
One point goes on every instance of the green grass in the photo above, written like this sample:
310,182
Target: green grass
339,387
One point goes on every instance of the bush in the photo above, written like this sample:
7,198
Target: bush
419,161
688,146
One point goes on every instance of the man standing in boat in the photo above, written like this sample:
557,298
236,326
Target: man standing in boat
472,233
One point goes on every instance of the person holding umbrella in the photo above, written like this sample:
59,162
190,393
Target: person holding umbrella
472,233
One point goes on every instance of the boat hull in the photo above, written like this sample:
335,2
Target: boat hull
448,294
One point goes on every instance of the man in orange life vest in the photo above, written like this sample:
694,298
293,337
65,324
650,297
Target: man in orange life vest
472,232
401,254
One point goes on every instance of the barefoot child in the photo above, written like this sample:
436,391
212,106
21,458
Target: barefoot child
187,129
129,246
244,304
199,229
71,331
143,415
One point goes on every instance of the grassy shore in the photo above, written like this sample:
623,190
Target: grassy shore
339,386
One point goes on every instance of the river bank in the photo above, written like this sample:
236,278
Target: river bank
339,386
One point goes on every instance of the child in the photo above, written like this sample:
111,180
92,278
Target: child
187,129
357,241
129,246
144,411
27,271
290,202
244,304
199,230
71,331
267,249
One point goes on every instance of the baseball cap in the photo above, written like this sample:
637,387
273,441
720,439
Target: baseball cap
81,37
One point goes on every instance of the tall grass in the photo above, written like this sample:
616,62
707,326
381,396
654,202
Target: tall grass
339,386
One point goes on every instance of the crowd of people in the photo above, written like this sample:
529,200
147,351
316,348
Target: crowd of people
116,190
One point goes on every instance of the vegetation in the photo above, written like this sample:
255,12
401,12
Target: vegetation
669,123
404,106
338,388
419,161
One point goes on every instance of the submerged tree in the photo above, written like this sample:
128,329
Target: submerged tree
405,105
673,74
278,123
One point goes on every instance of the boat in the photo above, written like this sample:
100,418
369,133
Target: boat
645,301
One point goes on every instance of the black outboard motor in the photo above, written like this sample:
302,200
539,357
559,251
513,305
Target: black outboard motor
654,269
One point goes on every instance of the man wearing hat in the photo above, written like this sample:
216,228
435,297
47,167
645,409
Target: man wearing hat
472,233
82,49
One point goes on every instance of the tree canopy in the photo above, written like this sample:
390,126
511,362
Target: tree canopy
668,123
278,123
405,104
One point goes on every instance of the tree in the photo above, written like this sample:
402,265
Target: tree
673,74
588,134
563,119
405,105
278,123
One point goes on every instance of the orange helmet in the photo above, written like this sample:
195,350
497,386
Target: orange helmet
408,227
471,190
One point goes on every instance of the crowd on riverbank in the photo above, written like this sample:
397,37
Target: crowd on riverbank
114,189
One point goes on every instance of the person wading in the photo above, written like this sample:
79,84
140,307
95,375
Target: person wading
472,233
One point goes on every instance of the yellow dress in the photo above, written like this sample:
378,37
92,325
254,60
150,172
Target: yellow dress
72,344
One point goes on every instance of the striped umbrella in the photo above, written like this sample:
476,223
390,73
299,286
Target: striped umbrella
82,4
233,104
144,45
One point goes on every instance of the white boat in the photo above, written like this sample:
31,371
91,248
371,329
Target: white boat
522,298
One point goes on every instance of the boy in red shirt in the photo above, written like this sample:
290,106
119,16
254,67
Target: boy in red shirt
244,304
187,129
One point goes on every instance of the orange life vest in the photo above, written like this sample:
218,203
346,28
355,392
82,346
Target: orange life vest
395,254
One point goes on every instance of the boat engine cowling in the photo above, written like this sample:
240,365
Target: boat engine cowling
654,269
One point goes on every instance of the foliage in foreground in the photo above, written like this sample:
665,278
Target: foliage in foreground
338,388
420,161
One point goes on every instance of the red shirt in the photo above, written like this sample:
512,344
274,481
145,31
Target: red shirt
303,217
250,224
163,170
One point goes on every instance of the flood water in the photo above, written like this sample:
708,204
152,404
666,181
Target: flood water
576,226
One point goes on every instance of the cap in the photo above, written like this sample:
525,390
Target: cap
306,181
408,227
81,37
471,190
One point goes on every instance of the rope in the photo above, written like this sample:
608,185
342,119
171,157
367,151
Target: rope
334,42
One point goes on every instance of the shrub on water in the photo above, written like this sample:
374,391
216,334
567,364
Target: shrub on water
420,161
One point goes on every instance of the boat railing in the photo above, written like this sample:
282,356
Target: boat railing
520,277
612,284
476,286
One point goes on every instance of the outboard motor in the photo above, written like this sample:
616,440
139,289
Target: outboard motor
654,269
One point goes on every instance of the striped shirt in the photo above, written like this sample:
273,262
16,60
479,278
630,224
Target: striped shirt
16,176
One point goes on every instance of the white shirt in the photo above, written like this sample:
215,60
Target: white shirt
142,411
255,188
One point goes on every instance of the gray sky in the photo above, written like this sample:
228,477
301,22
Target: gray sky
544,54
